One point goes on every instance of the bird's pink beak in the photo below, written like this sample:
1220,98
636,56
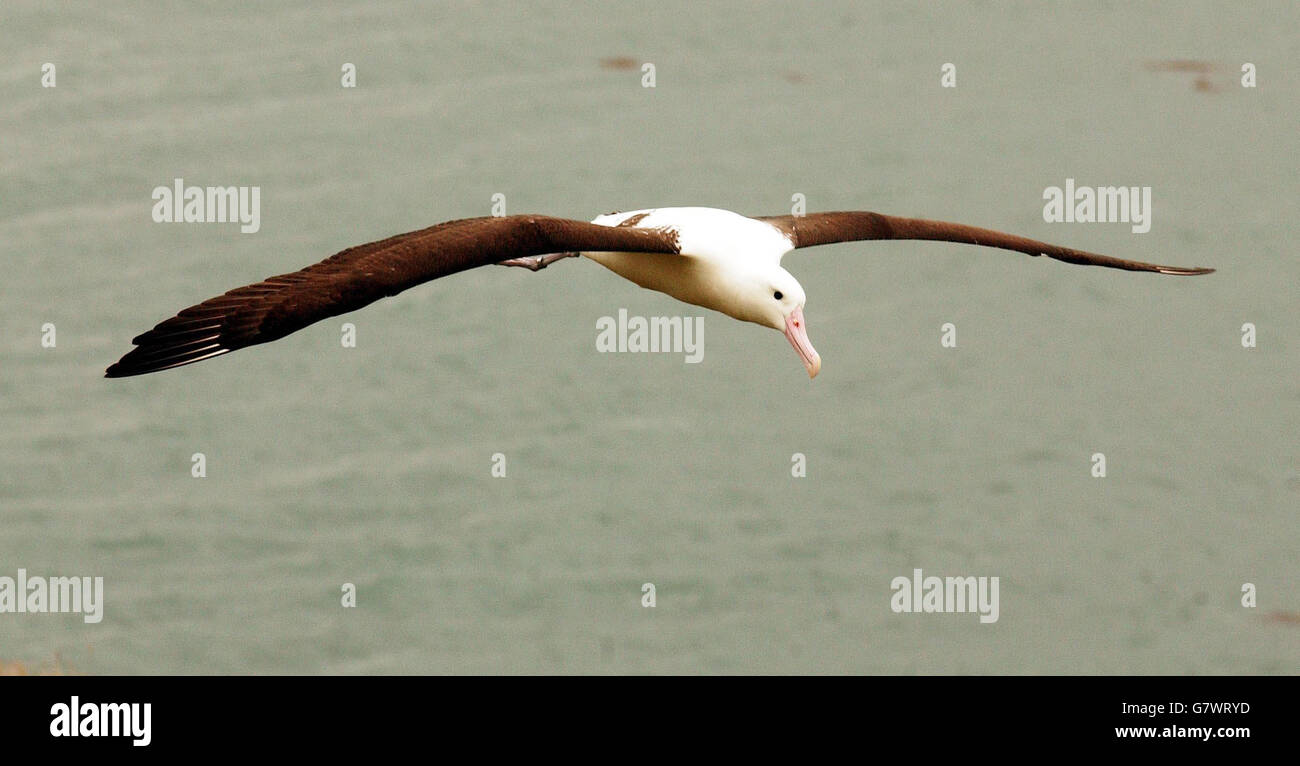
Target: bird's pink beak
796,331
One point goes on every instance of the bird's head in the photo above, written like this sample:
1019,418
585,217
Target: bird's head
774,298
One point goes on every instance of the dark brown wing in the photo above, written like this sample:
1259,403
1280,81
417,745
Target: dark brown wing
827,228
360,275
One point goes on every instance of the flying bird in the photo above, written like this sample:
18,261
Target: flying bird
708,257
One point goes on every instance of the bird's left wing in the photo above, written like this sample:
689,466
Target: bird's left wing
851,226
360,275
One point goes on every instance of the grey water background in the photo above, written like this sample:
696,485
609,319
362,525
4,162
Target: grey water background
372,465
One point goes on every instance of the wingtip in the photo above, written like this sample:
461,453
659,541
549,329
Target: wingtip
1185,272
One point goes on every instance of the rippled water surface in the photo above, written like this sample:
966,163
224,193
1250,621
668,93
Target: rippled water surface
372,465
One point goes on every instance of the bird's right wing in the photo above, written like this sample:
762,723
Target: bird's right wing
355,277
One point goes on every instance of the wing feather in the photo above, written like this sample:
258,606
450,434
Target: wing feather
850,226
357,276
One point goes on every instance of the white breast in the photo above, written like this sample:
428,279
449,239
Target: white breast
719,249
706,232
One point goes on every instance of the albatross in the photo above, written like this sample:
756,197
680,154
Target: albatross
708,257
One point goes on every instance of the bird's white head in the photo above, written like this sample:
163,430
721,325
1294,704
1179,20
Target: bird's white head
774,298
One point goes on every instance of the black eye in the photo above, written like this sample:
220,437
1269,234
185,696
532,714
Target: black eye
777,295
